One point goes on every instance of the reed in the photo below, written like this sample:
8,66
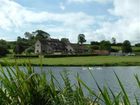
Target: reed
26,87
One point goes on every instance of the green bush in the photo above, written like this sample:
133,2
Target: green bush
52,56
75,55
25,56
3,51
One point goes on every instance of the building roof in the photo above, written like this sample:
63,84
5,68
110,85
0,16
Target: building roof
55,44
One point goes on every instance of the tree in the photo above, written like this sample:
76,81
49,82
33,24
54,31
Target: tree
21,45
18,49
3,51
94,43
113,40
11,44
28,35
114,50
36,35
94,47
30,38
3,47
137,44
4,44
65,40
39,34
105,45
81,38
126,46
118,44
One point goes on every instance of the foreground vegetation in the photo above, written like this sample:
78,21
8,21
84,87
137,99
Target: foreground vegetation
27,87
77,61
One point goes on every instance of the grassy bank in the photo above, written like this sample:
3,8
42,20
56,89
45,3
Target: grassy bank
77,61
27,87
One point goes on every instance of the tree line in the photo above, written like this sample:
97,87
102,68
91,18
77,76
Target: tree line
126,46
26,44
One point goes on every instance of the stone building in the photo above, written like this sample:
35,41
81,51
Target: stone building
52,46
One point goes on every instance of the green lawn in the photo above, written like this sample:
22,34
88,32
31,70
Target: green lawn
79,61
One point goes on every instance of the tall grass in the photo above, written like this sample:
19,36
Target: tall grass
26,87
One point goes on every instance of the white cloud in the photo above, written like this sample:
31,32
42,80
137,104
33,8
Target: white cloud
10,14
126,8
126,27
15,17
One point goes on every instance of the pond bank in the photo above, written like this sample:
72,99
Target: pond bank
75,61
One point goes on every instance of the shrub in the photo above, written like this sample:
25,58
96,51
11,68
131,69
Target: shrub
105,45
114,50
25,56
3,51
126,47
52,56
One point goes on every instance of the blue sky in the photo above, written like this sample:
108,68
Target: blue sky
97,19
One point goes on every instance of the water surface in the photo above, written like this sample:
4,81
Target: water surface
104,76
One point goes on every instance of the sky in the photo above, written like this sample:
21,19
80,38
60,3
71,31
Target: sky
97,19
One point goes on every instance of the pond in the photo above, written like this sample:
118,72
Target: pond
104,76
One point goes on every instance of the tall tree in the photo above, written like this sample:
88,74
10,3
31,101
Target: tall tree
137,44
30,38
81,38
105,45
36,35
28,35
126,46
39,34
113,40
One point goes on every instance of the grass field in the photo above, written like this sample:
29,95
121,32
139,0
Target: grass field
78,61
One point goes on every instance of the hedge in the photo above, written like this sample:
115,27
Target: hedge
53,56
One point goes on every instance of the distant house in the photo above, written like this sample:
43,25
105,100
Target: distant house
120,53
101,52
52,46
